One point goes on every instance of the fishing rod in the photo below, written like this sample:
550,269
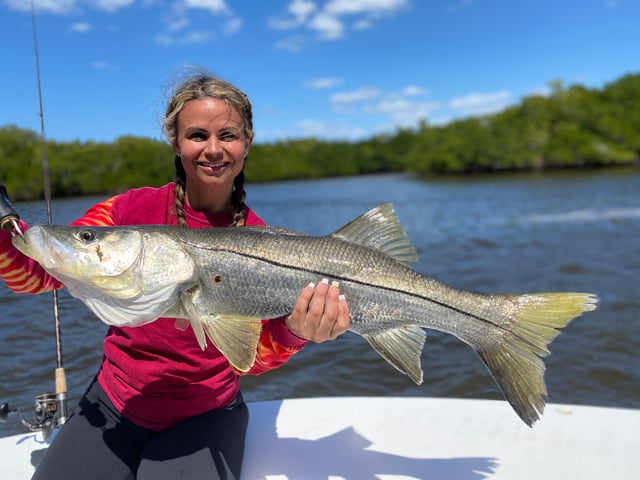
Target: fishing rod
50,409
46,406
60,377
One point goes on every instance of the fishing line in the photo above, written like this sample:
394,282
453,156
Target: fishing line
60,377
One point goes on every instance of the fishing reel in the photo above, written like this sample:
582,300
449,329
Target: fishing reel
45,414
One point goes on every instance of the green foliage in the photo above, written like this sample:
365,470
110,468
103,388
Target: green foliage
19,164
572,127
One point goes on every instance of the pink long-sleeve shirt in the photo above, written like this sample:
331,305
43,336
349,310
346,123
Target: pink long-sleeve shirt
157,375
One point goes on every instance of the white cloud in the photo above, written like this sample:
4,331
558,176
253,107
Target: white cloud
81,27
539,92
359,95
329,26
192,38
301,9
363,24
178,19
403,108
232,26
413,91
293,43
328,129
195,38
177,23
214,6
64,7
322,83
336,17
390,103
111,5
51,6
481,103
341,7
402,111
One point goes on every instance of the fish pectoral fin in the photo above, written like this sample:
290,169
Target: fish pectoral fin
186,299
235,336
402,348
380,229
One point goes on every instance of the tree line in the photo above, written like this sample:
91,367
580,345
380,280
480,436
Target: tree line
569,128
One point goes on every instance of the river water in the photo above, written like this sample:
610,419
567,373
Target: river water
567,231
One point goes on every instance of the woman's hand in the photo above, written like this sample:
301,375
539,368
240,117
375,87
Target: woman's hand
320,314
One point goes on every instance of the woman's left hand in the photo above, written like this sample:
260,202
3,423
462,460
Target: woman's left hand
320,314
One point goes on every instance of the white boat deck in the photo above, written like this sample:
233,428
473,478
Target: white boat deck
354,438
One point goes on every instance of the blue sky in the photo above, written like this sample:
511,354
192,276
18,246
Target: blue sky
335,69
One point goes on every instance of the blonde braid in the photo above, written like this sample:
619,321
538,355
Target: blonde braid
181,182
237,197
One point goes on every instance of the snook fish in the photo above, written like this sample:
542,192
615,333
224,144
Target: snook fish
225,280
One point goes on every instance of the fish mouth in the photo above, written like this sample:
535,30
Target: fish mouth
50,257
22,244
38,245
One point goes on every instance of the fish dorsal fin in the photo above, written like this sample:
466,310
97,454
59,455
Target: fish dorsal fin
401,347
380,228
236,337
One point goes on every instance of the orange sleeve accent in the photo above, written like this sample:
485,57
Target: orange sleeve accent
98,215
271,353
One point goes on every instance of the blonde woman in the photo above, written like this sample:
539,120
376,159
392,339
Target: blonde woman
160,407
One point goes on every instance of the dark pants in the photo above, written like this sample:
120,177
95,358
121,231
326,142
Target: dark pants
98,443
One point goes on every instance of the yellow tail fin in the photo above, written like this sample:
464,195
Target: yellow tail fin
516,364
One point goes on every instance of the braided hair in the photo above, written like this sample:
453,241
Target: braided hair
197,86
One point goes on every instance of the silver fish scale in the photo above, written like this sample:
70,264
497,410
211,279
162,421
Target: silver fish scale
256,272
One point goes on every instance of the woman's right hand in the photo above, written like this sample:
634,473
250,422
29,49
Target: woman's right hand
320,314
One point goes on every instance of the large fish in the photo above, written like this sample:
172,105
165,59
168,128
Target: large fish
225,280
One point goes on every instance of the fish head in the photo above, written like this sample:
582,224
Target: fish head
87,257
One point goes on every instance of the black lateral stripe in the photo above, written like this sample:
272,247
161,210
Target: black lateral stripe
346,279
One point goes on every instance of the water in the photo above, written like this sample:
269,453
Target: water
574,231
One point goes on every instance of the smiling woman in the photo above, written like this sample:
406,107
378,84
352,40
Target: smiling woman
211,138
211,147
158,386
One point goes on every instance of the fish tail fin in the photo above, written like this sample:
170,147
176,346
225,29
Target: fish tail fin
516,363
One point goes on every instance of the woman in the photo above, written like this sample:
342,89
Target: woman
160,407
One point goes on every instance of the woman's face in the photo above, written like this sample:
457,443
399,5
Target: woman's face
212,144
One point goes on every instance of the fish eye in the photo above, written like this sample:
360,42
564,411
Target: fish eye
87,235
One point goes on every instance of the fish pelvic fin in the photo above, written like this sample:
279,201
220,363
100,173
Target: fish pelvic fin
402,348
516,363
380,229
236,337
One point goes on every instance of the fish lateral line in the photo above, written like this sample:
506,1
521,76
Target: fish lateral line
343,279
